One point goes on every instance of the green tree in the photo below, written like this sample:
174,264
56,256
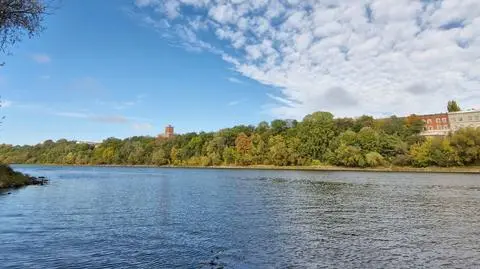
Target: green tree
278,126
421,154
466,143
278,150
368,139
316,131
362,122
443,154
452,106
259,149
159,157
415,125
174,156
344,124
394,126
229,155
262,127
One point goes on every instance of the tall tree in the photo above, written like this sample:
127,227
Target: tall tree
316,131
19,18
452,106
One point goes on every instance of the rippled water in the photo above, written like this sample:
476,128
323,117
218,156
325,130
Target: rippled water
91,217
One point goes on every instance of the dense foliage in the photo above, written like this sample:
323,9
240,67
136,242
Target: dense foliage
12,179
319,139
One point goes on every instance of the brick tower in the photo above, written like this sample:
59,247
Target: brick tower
169,131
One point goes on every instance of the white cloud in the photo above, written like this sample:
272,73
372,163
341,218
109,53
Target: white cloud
45,77
120,105
171,9
235,80
111,119
72,115
144,3
235,102
5,103
349,57
222,13
41,58
142,126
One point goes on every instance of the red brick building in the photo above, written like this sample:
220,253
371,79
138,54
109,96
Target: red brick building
436,124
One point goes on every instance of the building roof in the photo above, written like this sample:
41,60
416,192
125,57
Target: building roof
465,111
432,115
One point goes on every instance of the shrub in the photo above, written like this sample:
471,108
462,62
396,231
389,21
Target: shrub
374,159
10,178
402,160
349,156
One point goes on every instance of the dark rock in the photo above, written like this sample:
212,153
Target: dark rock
38,181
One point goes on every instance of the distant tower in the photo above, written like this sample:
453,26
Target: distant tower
169,132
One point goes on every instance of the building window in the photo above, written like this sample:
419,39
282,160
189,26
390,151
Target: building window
460,119
444,120
437,120
470,118
477,117
445,127
430,128
429,121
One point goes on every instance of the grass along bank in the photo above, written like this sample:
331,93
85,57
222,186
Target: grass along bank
397,169
406,169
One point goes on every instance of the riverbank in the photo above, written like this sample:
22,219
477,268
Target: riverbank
469,170
13,179
396,169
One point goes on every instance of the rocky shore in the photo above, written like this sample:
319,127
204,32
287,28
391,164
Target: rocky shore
13,179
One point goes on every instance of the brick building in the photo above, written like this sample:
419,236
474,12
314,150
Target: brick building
435,124
169,131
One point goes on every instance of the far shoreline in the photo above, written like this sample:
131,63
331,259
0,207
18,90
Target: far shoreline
393,169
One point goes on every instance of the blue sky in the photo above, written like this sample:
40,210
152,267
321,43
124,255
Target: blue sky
96,72
124,68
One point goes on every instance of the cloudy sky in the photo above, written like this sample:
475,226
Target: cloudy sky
122,68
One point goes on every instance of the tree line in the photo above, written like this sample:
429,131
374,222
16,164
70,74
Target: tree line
319,139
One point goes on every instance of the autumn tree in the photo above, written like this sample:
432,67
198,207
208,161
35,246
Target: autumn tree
319,139
243,146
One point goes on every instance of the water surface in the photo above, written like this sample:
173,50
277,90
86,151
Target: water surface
94,217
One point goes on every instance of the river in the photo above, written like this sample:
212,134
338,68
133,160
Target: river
98,217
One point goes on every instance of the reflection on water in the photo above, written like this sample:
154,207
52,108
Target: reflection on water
94,217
